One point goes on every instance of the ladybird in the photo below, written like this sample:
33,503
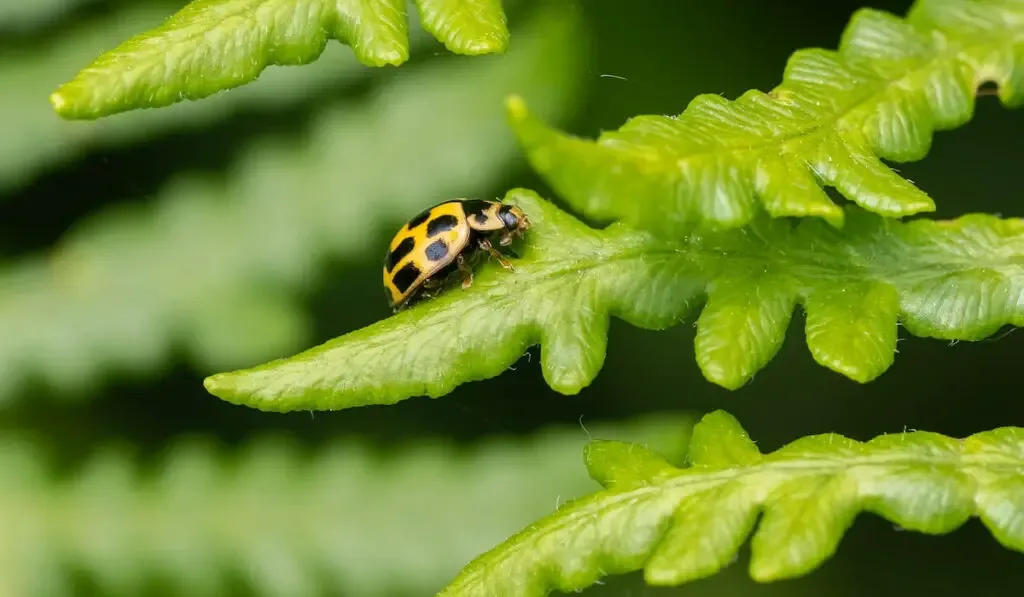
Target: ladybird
443,240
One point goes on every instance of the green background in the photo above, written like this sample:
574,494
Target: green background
651,57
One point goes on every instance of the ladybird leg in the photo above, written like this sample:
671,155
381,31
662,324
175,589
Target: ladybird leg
467,273
429,290
505,263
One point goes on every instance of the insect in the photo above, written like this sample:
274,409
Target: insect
443,240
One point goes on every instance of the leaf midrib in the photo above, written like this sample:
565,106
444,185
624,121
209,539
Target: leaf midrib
247,10
791,262
545,275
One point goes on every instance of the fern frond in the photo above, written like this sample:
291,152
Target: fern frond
25,15
342,520
31,72
213,45
679,525
959,279
208,266
891,84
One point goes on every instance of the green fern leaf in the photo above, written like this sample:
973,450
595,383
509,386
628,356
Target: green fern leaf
960,279
289,521
888,87
210,265
470,27
679,525
213,45
54,140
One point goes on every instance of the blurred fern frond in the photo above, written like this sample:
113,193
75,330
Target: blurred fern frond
682,524
33,71
26,15
958,279
891,84
210,265
213,45
345,519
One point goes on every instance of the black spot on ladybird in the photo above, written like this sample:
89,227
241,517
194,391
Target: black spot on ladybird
422,217
404,248
441,224
437,250
406,277
475,206
476,210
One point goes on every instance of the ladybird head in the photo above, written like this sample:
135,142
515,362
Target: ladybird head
513,219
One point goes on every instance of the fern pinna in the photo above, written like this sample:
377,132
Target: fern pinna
682,524
222,44
570,279
209,514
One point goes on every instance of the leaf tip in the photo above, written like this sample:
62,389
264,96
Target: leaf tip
243,388
663,576
921,204
836,220
567,385
853,371
520,194
60,102
775,564
394,56
515,106
494,43
227,386
766,571
216,385
722,374
722,420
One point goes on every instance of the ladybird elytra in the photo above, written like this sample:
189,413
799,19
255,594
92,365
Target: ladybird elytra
445,239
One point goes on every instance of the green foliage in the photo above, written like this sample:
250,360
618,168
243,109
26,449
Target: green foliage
889,86
208,269
213,45
958,279
287,521
466,26
210,266
682,524
32,71
22,15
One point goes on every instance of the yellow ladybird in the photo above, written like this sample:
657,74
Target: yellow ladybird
445,239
